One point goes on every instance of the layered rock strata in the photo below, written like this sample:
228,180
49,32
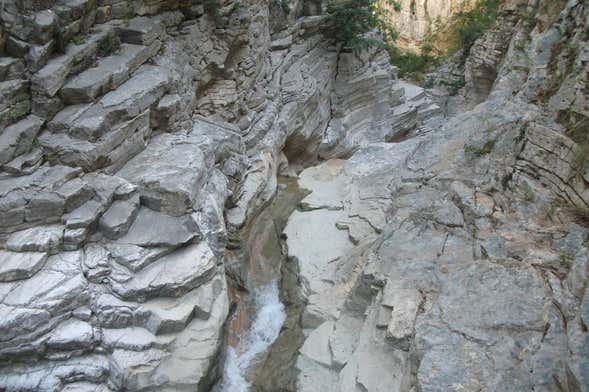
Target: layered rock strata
139,139
453,260
135,136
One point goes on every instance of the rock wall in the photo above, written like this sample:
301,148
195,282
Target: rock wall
456,259
418,21
140,138
137,138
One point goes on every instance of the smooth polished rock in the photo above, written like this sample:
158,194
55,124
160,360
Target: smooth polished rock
316,346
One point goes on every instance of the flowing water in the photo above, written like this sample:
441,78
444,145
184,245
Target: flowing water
263,334
269,315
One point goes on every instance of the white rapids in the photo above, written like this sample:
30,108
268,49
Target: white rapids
269,317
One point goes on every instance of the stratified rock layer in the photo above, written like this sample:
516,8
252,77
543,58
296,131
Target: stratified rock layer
126,129
450,260
139,139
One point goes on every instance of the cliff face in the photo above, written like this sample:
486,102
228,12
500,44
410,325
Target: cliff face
437,250
418,21
456,259
137,140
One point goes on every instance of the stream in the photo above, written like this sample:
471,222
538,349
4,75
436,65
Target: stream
263,333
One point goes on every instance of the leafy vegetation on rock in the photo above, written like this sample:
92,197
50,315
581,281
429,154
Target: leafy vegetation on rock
213,8
108,46
470,25
349,21
412,64
472,152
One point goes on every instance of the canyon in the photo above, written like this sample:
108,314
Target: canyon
216,196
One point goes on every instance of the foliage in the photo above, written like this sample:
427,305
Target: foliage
455,87
472,152
472,24
18,112
348,22
411,64
578,130
78,39
527,192
108,45
521,136
213,8
285,5
528,18
52,158
566,260
34,144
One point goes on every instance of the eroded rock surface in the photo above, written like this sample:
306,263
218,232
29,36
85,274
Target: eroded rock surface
139,139
436,264
136,140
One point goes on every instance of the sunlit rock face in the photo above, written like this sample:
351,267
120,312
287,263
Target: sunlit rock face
417,20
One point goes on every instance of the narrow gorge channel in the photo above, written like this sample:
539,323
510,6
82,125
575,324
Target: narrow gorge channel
154,235
263,333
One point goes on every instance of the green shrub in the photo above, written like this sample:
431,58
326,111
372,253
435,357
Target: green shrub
472,24
285,5
415,65
472,152
213,8
108,46
578,130
348,21
409,63
566,260
528,18
78,39
454,87
527,192
521,136
19,111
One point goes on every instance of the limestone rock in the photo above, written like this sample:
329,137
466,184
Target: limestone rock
37,239
52,76
154,229
117,220
171,276
18,138
75,192
141,31
71,334
84,216
171,188
109,73
18,266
